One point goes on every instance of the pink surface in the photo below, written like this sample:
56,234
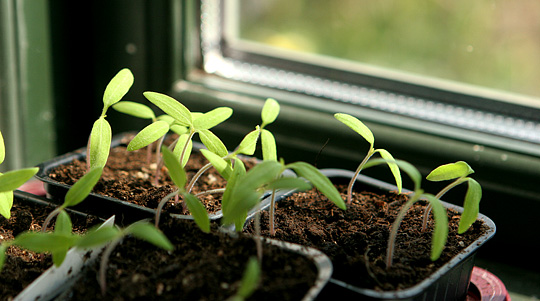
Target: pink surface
487,285
34,187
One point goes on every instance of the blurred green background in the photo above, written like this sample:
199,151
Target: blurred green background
487,43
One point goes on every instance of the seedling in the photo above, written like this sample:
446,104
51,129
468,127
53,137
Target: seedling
194,205
196,123
99,236
250,280
99,143
156,131
76,194
440,230
458,172
10,181
365,132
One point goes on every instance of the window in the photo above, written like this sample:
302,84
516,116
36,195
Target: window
471,66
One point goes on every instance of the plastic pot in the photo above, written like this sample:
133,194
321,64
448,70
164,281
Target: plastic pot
320,260
450,282
97,204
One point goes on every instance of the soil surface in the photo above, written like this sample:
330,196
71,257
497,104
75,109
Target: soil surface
21,266
356,239
201,267
128,176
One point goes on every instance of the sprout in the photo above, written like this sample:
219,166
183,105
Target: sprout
113,236
458,171
250,280
440,231
99,143
366,133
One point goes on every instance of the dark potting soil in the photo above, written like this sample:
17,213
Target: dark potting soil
356,239
129,177
21,266
201,267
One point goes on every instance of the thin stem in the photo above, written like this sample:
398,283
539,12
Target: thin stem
191,134
213,191
197,176
149,153
103,265
158,160
439,195
51,215
162,203
258,239
353,179
395,227
272,213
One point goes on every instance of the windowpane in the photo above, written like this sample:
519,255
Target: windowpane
486,43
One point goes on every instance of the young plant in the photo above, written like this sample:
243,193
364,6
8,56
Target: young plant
76,193
10,181
99,143
197,123
57,242
99,236
459,172
440,230
365,132
250,281
194,205
156,131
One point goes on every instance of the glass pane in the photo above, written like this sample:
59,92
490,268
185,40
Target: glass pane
487,43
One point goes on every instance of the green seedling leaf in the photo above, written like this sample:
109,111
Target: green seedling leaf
151,234
470,206
268,142
250,279
213,143
289,183
238,171
450,171
80,190
149,134
171,107
135,109
248,145
198,211
13,179
166,118
63,223
179,147
59,256
393,167
100,143
2,149
357,126
270,111
179,129
440,230
97,236
45,241
407,167
210,119
6,202
117,88
223,167
321,182
176,171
